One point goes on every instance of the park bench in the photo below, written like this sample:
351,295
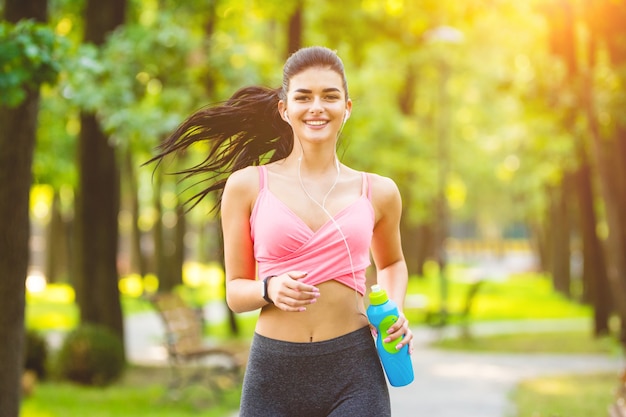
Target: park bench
440,319
192,362
618,408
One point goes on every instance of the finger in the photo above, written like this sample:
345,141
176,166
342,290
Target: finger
407,339
289,308
401,332
401,324
374,331
298,276
300,295
292,300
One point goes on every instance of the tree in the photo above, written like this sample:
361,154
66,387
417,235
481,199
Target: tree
606,146
17,141
596,285
97,197
604,19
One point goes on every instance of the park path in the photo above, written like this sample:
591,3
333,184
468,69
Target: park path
462,384
447,383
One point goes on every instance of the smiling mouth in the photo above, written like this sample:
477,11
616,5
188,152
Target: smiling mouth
316,122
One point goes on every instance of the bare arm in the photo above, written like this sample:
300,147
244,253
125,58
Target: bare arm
243,291
391,269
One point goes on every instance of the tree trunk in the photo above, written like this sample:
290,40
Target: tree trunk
294,37
57,244
595,281
418,246
137,257
609,186
17,143
539,243
160,262
560,242
97,207
97,198
604,21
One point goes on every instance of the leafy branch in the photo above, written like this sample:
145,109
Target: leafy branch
29,57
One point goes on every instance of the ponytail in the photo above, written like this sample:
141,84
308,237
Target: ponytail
245,130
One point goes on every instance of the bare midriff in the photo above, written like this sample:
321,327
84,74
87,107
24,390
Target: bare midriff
339,310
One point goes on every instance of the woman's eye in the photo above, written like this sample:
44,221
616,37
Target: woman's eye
301,98
332,97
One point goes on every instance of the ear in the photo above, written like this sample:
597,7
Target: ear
348,110
282,110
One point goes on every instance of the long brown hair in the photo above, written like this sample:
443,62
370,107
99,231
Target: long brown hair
245,130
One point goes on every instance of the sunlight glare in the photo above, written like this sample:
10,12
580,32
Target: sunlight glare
394,7
35,282
64,26
131,285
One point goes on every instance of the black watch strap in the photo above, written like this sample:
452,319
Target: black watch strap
266,296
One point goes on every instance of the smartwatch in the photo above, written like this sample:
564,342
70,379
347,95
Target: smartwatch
264,293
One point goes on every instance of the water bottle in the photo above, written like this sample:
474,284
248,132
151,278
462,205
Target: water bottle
382,314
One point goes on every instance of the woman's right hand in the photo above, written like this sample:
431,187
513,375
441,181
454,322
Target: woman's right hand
290,294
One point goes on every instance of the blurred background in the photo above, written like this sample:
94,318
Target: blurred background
502,122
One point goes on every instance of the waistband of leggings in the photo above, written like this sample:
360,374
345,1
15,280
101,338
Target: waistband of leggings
358,339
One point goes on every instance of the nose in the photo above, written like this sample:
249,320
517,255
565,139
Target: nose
317,105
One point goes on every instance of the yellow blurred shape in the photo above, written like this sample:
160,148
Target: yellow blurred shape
56,293
64,26
131,285
456,192
41,200
150,283
197,275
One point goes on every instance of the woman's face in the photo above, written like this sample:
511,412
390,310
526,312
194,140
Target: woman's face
316,104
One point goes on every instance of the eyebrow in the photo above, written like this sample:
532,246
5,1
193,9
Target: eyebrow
326,90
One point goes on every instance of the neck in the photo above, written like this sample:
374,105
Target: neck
314,161
322,203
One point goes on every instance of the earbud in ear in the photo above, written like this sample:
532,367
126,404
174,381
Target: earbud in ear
346,117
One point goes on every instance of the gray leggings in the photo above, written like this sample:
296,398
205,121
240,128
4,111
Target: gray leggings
338,377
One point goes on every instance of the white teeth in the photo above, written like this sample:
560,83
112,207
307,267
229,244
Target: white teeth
316,122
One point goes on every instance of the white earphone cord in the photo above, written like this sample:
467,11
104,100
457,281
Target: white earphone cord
332,219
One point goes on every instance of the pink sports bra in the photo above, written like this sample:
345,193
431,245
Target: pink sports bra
283,242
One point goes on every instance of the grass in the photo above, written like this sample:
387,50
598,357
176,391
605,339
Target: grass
570,342
521,296
565,395
140,393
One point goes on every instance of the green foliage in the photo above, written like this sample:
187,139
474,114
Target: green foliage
565,395
91,355
36,356
30,55
138,83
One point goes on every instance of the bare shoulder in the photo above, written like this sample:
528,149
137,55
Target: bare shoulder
384,189
242,186
386,199
244,179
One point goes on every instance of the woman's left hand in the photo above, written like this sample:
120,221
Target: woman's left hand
399,329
